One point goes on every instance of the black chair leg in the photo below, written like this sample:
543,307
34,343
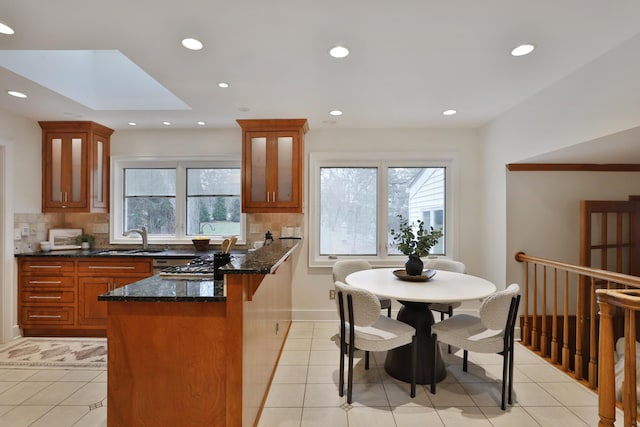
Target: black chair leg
414,364
511,375
342,354
389,311
434,368
350,375
465,360
450,313
366,360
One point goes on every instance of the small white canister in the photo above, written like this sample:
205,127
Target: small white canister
45,246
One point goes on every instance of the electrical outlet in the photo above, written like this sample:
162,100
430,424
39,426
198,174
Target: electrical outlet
25,229
16,234
332,294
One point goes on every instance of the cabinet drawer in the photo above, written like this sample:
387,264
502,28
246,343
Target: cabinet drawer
46,266
31,282
47,315
114,267
47,297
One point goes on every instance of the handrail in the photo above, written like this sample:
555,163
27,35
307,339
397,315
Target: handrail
609,276
591,349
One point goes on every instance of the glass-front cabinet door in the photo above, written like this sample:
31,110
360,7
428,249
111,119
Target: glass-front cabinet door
75,167
64,171
272,171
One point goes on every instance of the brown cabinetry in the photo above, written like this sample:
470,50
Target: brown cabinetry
98,276
272,159
59,296
75,166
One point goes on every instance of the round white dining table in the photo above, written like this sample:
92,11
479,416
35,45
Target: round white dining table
415,297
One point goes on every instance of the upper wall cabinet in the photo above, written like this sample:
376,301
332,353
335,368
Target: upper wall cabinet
272,159
75,167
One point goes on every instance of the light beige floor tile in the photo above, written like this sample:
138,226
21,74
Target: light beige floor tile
85,375
292,374
371,395
326,324
61,416
485,394
323,396
469,416
555,416
5,408
49,375
294,357
525,356
324,417
21,392
323,374
300,333
544,373
324,357
360,374
6,385
589,414
326,344
18,374
571,394
54,393
510,417
412,416
450,394
297,344
102,378
23,416
88,394
531,394
94,418
285,396
399,394
329,334
370,417
280,417
302,325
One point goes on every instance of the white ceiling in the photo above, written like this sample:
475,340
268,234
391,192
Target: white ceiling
410,60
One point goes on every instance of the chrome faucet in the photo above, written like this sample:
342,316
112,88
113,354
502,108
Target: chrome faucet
142,231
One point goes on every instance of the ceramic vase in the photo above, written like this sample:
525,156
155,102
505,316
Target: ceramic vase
414,265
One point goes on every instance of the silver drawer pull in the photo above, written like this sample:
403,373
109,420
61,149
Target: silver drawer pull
103,267
57,282
45,266
39,297
42,316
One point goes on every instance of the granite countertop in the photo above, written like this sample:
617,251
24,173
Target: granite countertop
262,261
116,252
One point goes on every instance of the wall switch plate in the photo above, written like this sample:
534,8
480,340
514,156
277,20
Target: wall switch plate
332,294
25,229
16,234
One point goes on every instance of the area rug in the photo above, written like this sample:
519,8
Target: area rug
55,353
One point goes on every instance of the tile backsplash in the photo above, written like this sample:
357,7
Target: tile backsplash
97,225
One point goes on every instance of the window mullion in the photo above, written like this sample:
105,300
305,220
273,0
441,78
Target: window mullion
181,200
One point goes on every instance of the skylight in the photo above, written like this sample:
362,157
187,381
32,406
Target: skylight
97,79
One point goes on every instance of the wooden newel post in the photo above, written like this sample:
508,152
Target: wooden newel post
606,374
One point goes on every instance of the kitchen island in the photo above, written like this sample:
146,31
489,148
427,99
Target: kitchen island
199,352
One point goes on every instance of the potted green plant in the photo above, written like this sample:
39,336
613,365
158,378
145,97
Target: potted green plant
415,241
85,240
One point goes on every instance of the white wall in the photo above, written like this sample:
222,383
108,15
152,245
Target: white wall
20,169
598,100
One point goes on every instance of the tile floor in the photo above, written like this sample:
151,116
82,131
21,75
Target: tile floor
304,392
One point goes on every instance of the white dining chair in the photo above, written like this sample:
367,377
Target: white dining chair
363,327
344,267
491,332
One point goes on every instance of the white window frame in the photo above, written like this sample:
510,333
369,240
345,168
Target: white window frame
181,164
382,160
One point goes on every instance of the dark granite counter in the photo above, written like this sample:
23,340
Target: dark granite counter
110,252
262,261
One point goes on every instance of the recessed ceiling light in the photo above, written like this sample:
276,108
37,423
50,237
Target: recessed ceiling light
16,94
132,123
449,112
192,44
223,85
202,123
166,123
5,29
335,112
339,51
523,49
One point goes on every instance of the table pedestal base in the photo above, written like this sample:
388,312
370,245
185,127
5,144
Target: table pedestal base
398,361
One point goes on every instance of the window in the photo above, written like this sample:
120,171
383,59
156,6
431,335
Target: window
177,200
358,202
